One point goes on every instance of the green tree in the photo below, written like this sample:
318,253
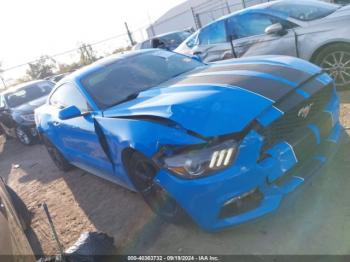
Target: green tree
42,68
87,54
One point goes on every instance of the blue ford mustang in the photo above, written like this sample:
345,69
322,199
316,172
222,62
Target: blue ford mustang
220,143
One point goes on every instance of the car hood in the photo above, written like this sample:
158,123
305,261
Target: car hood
220,98
30,106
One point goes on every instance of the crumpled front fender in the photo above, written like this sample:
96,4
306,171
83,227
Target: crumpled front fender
144,136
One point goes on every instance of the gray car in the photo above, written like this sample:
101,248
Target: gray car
312,30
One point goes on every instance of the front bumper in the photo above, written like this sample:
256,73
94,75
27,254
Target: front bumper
250,188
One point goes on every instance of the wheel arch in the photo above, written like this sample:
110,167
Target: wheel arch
322,47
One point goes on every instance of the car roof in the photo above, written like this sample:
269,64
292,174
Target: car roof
22,85
266,8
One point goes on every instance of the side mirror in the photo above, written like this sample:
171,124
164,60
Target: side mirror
275,29
69,113
197,58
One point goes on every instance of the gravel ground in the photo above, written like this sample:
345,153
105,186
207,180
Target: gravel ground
314,221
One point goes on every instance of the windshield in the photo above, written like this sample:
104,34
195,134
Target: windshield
175,39
305,11
125,77
28,93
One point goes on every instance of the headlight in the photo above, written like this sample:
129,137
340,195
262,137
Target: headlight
202,161
28,117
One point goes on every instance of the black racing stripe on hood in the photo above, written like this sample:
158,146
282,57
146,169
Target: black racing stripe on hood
271,89
288,73
313,86
290,102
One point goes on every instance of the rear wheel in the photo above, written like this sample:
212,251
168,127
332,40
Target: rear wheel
60,161
142,172
335,60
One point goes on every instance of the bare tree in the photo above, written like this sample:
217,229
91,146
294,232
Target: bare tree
87,54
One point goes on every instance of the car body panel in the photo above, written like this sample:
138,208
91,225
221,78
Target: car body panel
238,98
13,241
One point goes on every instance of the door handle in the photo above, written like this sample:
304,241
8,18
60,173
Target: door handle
197,53
56,123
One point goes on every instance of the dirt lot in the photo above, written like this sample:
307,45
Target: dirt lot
314,221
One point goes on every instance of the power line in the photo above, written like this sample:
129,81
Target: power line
65,52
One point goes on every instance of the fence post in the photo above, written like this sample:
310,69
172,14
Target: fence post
228,7
196,19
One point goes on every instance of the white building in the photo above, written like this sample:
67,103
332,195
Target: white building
195,14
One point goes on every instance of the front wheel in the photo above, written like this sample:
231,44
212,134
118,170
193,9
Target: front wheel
23,136
142,172
335,60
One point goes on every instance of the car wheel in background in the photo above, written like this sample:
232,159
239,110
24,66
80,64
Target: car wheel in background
60,161
335,60
142,172
23,213
23,136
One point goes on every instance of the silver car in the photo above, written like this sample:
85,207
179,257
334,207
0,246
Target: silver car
312,30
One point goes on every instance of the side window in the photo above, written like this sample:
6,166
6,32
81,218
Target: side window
213,34
246,25
146,44
192,41
68,95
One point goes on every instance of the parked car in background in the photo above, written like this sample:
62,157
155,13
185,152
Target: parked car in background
17,106
56,78
168,41
312,30
221,143
342,2
14,221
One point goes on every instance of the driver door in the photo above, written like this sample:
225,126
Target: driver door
249,38
76,137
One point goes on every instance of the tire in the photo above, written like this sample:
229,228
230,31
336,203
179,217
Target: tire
335,60
142,172
23,213
59,160
23,136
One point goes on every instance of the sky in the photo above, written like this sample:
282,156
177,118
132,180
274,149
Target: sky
31,28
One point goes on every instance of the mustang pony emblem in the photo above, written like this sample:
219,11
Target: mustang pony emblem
304,111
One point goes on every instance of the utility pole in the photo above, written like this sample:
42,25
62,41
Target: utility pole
132,42
3,82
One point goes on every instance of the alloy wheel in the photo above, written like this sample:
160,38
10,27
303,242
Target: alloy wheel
337,65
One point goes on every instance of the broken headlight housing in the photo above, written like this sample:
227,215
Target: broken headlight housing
201,161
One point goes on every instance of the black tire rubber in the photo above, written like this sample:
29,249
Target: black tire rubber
57,157
29,137
23,213
317,59
155,196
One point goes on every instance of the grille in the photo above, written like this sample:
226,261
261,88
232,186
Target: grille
292,127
